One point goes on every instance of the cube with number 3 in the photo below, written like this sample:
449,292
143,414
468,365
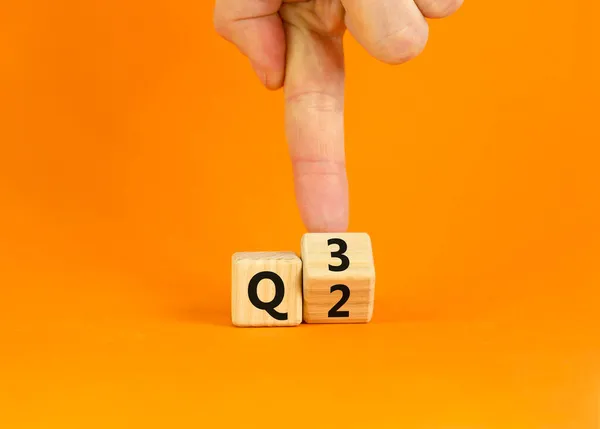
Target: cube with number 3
338,278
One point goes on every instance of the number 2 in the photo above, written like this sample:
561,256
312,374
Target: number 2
335,310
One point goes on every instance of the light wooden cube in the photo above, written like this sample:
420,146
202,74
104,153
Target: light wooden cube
266,289
338,277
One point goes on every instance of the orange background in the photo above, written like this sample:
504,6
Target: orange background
138,152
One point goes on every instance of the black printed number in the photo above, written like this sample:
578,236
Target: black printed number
344,264
335,310
344,261
270,306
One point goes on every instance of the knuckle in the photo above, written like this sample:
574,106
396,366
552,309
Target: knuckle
404,44
316,101
318,167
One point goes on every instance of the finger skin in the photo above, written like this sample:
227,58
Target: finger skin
438,8
255,27
314,94
393,31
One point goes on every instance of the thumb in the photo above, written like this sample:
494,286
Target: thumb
314,94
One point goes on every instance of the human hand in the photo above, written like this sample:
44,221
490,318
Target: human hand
297,44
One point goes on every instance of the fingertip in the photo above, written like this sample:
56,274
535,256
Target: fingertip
260,73
274,80
270,78
325,218
323,201
436,9
336,226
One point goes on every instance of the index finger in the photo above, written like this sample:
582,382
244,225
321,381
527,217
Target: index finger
314,92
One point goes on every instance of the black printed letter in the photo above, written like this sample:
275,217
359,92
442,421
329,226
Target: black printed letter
269,307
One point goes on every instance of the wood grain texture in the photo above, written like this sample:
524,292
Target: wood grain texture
245,265
318,277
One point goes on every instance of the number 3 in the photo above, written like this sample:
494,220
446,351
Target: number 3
345,262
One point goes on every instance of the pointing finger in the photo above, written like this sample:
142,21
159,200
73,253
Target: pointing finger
314,92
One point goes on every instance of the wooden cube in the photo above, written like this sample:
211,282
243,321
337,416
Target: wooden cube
266,289
338,278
